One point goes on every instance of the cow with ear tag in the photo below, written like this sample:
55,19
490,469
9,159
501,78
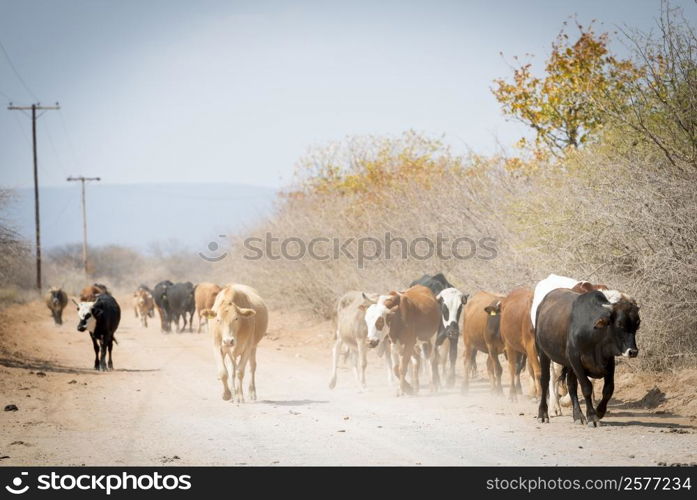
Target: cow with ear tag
584,333
101,318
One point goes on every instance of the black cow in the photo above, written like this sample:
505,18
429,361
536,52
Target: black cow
56,300
159,295
101,318
584,333
181,301
436,283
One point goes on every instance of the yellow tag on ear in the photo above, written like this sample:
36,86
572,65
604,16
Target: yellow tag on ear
492,313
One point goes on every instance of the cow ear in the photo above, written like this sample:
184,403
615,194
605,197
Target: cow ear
208,313
372,299
602,322
491,310
464,298
246,313
97,312
362,307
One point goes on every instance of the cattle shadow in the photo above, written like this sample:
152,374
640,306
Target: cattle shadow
40,365
639,423
292,402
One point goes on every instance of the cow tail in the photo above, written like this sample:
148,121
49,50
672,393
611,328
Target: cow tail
115,341
562,377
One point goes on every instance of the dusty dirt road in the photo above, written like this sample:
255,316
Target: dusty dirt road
162,405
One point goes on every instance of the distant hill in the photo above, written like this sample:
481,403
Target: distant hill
139,215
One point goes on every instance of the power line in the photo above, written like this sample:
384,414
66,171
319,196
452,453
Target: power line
19,77
69,138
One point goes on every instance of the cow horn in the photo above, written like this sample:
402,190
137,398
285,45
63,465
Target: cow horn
73,299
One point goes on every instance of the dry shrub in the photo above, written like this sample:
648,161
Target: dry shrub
624,220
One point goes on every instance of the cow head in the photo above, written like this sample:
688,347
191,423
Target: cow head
55,296
87,313
451,302
230,318
620,320
493,317
379,317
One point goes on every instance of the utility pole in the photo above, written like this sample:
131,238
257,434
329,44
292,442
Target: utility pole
82,180
34,108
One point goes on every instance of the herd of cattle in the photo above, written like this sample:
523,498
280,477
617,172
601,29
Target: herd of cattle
240,315
563,330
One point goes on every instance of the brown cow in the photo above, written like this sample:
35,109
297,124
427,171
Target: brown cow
90,292
144,305
408,318
241,322
518,337
204,298
479,334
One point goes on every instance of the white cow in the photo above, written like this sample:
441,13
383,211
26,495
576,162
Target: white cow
375,317
351,331
451,301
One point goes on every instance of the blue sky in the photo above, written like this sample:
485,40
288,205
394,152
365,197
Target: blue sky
226,91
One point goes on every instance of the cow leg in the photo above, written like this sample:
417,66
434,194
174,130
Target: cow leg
572,384
406,354
361,361
110,364
531,374
219,356
95,345
335,360
542,412
389,362
587,389
102,355
498,371
435,368
253,374
467,356
417,360
534,361
554,385
452,357
239,393
491,372
608,389
512,356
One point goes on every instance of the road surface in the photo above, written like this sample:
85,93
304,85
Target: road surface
162,405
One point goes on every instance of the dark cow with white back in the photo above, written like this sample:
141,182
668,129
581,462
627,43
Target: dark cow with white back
584,332
101,318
